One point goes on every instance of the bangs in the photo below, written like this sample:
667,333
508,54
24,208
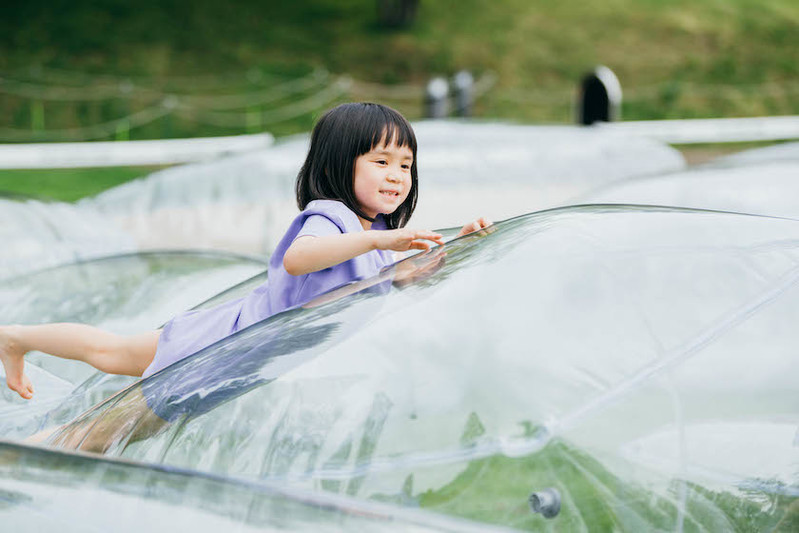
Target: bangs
384,127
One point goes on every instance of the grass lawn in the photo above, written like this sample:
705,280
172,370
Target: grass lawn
67,185
676,59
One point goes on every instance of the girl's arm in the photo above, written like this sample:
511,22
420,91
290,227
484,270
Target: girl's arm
400,274
310,254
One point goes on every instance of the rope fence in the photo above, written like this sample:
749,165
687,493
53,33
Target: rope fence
317,101
96,131
253,100
203,82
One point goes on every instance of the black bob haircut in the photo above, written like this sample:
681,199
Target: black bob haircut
342,135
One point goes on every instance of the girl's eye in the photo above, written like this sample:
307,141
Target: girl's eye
406,167
381,161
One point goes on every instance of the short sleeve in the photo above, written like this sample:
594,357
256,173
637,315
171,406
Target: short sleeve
318,226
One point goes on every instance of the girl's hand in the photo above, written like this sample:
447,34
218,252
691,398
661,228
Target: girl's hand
418,267
404,239
478,224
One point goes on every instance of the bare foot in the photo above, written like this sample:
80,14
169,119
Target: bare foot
13,358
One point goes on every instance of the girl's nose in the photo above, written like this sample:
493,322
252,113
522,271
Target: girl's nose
393,177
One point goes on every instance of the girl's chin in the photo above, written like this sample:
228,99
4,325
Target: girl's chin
389,205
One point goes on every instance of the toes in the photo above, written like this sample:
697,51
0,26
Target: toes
27,392
23,387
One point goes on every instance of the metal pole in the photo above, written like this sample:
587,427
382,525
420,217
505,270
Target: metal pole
436,98
463,83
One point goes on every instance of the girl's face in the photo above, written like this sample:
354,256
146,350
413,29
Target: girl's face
382,179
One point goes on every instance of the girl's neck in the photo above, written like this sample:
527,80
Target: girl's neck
367,225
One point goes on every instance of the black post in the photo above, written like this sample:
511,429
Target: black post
600,97
463,84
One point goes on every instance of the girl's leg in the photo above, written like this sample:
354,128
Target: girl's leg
111,353
129,419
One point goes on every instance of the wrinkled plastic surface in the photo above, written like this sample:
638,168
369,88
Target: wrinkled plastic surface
639,360
44,490
37,234
764,188
125,294
466,170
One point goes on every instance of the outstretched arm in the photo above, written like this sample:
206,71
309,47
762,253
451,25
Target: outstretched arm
310,254
401,274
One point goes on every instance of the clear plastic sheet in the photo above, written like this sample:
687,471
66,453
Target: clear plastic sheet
126,294
243,203
639,360
768,188
44,490
37,234
778,152
466,170
503,170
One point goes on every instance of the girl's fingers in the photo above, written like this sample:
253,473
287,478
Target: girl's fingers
417,240
429,236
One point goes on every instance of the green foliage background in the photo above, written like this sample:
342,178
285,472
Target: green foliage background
674,58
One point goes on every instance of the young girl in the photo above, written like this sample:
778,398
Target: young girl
357,189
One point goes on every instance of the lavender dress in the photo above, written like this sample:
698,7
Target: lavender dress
190,332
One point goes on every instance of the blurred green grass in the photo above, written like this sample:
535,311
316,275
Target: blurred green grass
67,184
675,59
495,490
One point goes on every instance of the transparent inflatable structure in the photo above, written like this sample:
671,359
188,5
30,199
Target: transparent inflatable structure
638,360
41,488
126,293
36,234
639,351
742,183
243,203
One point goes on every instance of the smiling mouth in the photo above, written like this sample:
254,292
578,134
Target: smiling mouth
391,194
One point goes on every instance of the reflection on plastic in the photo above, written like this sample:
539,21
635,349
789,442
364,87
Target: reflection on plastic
590,349
121,496
126,294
